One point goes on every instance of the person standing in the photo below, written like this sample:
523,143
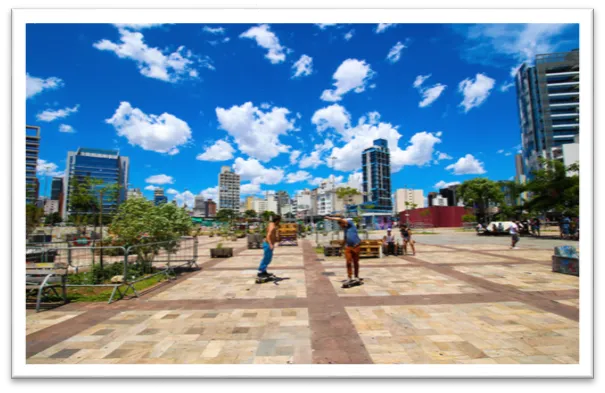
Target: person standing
513,229
352,244
406,234
565,227
389,243
268,247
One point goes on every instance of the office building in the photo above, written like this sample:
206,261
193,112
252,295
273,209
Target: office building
376,166
430,198
283,198
198,202
449,193
272,204
32,151
56,192
209,208
259,206
249,202
406,199
301,204
160,200
51,206
229,189
134,193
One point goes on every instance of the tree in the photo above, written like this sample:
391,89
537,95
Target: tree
250,213
469,218
33,217
347,194
53,219
410,205
138,222
226,215
478,193
554,189
267,214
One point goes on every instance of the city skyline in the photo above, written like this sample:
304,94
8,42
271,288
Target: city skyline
442,95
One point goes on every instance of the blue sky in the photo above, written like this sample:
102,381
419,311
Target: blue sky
275,102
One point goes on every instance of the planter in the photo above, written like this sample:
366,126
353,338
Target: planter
221,252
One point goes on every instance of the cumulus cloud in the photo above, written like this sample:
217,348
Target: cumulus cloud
352,74
303,66
266,39
50,115
214,30
337,180
162,134
467,165
47,168
253,170
294,156
475,92
210,193
420,80
220,151
315,159
334,116
429,94
249,189
151,188
35,85
296,177
381,28
159,179
356,181
66,128
395,52
442,184
443,156
182,198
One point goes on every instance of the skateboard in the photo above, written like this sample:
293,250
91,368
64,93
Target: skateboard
355,284
263,280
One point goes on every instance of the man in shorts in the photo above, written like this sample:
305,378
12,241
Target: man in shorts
352,244
513,229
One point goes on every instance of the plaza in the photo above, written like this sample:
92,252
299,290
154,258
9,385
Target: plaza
460,299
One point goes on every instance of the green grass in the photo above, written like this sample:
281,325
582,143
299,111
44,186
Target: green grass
102,294
319,250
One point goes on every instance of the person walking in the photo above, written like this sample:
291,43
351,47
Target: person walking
513,229
406,234
352,244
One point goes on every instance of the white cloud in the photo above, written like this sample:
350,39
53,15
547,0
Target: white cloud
382,27
254,171
294,156
162,134
355,181
46,168
501,151
159,179
438,134
318,180
151,188
442,184
34,85
395,52
214,30
172,191
467,165
210,193
352,74
303,66
431,94
420,80
334,116
153,62
324,25
520,42
249,189
314,159
136,26
256,132
349,35
50,115
265,38
508,153
475,92
296,177
443,156
66,128
182,198
220,151
506,86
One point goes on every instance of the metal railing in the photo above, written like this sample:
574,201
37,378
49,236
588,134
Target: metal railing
135,263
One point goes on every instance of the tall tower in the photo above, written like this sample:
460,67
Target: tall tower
228,189
32,149
376,166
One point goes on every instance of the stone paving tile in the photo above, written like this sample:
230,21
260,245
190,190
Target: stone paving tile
459,257
532,255
504,244
421,247
528,277
510,332
570,302
217,284
395,282
230,336
252,262
41,320
340,261
279,250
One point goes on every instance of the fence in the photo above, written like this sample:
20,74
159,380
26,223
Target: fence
135,263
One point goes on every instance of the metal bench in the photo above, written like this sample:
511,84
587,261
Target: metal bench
44,278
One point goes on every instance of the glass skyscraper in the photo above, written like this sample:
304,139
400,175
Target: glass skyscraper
549,107
105,165
376,167
32,149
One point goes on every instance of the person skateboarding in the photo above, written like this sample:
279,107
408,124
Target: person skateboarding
352,244
268,247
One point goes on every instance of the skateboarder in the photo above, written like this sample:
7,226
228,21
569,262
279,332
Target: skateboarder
268,246
352,244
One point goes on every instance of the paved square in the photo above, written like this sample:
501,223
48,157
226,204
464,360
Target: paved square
226,336
236,284
403,281
532,277
458,303
470,333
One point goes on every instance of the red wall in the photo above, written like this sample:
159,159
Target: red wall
440,216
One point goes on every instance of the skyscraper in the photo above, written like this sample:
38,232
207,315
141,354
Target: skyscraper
97,164
32,149
376,166
283,199
548,98
56,192
412,197
228,188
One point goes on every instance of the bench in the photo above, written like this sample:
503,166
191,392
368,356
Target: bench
368,248
566,260
287,235
43,278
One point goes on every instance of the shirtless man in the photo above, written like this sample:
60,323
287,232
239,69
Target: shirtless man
268,246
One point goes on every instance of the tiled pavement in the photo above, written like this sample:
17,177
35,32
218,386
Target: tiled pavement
447,304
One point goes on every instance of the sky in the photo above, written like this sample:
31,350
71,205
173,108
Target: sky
285,105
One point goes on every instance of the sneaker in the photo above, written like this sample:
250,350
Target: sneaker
262,274
348,283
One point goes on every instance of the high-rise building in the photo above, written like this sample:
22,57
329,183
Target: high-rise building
449,193
198,202
210,208
301,203
432,195
134,193
414,199
228,189
160,200
158,191
97,164
548,98
32,150
51,206
250,202
283,198
376,166
56,192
